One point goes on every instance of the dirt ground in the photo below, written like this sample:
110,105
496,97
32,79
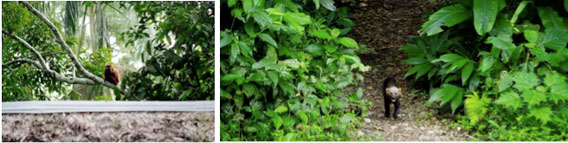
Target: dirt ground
384,26
110,127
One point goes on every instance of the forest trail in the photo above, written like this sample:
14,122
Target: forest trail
384,26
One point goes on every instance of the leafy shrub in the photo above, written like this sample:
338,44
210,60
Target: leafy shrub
283,71
518,68
183,71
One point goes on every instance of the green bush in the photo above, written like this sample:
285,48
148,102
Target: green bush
283,71
514,74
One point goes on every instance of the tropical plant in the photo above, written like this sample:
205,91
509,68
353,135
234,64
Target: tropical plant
283,71
518,68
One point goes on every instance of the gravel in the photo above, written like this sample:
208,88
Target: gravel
110,127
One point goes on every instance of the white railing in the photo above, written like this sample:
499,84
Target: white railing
106,106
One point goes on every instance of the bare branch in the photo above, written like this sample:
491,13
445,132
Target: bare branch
70,53
52,73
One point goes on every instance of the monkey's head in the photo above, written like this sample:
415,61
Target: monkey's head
394,93
107,67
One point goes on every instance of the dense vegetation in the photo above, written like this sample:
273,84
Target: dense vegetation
164,50
506,62
283,67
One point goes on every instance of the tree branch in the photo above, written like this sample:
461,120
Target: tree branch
30,47
52,73
69,52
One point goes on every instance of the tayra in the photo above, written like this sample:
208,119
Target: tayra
392,94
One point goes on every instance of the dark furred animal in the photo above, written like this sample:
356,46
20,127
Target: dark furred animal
392,94
111,75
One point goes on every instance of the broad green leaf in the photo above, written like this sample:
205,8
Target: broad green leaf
449,93
551,19
322,34
335,32
423,70
484,15
415,61
274,11
238,13
245,49
554,78
447,16
533,97
273,76
348,42
555,39
292,63
230,77
466,72
347,117
501,43
525,80
231,2
518,11
328,4
287,87
297,18
281,109
247,5
317,3
502,29
531,35
448,58
303,117
543,114
234,52
249,89
505,83
558,92
250,29
268,39
262,18
445,93
260,64
510,99
457,101
415,69
226,39
314,49
486,63
277,122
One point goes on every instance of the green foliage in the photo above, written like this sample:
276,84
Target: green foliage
521,67
447,16
179,50
180,66
476,107
23,81
283,71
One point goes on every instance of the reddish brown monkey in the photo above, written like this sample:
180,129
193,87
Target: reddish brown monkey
111,75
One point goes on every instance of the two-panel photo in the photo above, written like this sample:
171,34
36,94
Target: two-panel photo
284,70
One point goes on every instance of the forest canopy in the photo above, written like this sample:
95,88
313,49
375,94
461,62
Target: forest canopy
59,50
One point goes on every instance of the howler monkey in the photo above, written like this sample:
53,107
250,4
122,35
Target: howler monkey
111,75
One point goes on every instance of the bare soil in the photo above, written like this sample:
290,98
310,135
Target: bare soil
110,127
385,26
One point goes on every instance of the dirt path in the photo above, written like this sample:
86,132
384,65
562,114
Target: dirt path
384,26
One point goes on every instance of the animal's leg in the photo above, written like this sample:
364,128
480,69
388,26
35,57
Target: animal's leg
396,106
387,107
